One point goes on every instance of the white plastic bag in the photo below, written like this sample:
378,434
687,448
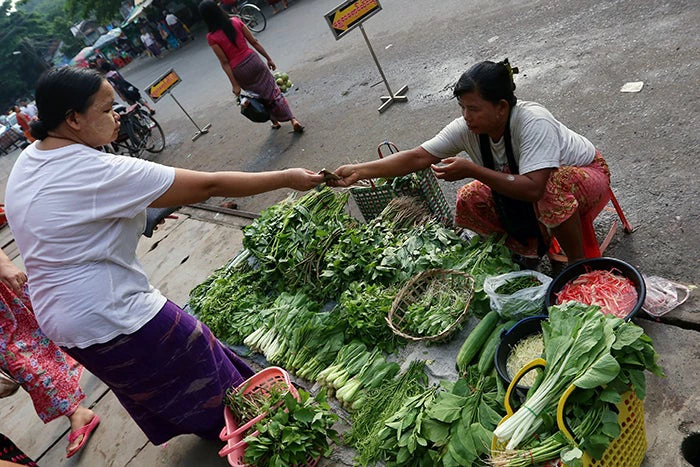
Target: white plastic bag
524,302
663,295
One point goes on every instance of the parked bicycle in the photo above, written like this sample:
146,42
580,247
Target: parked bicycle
249,13
138,132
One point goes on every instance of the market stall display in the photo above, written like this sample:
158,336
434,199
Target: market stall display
311,291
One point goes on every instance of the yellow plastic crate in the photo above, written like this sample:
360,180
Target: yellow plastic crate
627,450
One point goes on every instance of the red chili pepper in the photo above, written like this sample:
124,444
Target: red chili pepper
614,294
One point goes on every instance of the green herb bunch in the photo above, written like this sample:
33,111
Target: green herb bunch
294,433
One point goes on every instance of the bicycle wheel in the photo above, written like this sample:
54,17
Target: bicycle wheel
252,17
155,139
135,142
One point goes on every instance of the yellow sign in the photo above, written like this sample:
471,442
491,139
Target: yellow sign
349,15
165,83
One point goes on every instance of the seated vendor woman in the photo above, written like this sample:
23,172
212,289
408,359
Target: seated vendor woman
532,176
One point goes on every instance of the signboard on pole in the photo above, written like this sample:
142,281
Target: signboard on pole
349,15
165,83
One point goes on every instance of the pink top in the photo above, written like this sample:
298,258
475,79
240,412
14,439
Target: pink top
235,52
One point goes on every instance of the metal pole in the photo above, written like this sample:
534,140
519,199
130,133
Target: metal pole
371,50
200,131
391,98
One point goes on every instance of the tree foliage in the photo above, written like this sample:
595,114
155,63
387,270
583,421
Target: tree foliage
102,10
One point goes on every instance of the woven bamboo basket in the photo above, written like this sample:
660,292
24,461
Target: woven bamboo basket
456,285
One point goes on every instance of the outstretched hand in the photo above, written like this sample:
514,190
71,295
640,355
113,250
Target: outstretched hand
453,168
348,176
12,276
303,179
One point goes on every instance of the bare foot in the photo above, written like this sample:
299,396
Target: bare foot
81,417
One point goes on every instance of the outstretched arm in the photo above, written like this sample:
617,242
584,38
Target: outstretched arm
395,165
191,186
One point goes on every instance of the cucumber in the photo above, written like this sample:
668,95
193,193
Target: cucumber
475,340
486,359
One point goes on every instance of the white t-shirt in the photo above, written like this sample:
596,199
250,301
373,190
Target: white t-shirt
77,215
539,141
147,39
171,19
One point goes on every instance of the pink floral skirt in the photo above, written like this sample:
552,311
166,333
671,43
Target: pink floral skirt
568,190
49,375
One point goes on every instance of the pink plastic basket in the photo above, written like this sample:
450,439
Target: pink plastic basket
233,434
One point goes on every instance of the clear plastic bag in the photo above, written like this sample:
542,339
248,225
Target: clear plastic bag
663,295
522,303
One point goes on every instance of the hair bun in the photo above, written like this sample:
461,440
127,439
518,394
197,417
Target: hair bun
38,130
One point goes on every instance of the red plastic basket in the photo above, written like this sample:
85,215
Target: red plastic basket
233,434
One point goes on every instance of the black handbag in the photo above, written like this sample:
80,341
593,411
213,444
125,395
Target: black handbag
518,217
253,109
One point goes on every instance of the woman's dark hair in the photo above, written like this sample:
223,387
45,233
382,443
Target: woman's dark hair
60,91
493,82
107,66
216,19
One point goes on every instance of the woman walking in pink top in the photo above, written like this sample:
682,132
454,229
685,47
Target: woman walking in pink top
230,39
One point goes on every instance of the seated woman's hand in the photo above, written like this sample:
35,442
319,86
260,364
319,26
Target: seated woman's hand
348,175
453,168
11,275
303,179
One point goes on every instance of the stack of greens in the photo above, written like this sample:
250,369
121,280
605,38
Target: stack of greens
603,357
294,433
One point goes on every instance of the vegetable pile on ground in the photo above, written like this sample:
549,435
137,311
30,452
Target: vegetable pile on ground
294,433
603,357
310,292
613,293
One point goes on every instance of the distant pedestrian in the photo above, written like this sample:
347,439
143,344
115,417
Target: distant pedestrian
150,43
175,25
273,4
29,109
23,121
167,35
127,91
229,38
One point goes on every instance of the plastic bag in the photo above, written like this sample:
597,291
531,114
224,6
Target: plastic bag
252,108
524,302
663,295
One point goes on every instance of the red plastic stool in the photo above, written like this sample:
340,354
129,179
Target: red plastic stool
591,248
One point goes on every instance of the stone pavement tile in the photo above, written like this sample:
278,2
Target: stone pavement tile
672,404
182,451
115,442
21,423
188,254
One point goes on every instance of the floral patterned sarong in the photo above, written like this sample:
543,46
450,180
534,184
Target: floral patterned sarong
568,190
49,375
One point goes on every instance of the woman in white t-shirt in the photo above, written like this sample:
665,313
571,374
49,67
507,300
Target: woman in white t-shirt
77,214
533,176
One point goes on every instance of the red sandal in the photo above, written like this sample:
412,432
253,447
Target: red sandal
86,431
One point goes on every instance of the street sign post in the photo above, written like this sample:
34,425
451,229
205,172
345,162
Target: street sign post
164,85
351,14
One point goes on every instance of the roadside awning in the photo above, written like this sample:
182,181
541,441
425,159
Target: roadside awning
133,14
107,38
82,56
